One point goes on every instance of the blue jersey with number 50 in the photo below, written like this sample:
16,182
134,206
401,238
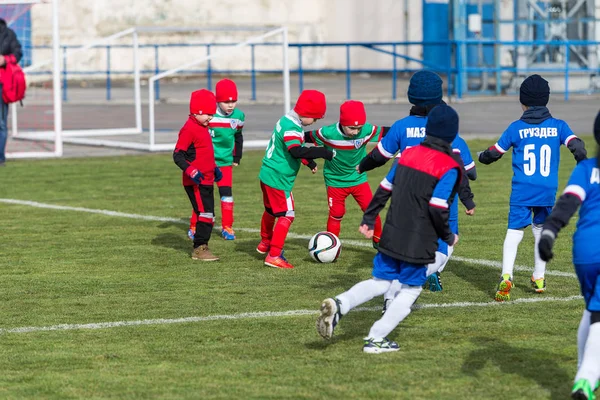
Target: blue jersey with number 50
535,159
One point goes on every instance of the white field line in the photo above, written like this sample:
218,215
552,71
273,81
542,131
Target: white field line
264,314
355,243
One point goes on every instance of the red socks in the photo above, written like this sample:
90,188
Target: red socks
279,234
266,227
227,212
334,225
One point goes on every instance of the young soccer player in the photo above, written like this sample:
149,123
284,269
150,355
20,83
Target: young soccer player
280,166
536,139
349,138
195,156
226,131
583,190
426,179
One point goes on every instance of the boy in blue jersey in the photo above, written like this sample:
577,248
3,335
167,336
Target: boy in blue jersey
426,179
536,139
425,93
583,189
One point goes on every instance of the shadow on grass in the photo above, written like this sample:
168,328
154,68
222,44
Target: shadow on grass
534,364
174,241
353,327
483,278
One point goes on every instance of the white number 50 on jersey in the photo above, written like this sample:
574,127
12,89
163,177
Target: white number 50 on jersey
529,157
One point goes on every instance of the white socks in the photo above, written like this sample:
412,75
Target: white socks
540,265
590,365
361,293
438,264
509,252
582,335
445,262
396,312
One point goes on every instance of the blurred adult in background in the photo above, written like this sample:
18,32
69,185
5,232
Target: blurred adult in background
10,52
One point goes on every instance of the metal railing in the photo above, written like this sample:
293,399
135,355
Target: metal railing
457,72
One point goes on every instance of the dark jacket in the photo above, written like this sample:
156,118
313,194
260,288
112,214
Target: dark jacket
413,225
9,44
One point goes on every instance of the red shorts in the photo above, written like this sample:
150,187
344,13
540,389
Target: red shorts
227,176
277,202
336,198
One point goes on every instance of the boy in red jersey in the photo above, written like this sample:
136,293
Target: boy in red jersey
194,154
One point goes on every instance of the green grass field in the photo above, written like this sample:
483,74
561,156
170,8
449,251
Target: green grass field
73,265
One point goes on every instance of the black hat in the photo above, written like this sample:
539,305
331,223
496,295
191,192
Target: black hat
534,91
425,88
442,123
597,128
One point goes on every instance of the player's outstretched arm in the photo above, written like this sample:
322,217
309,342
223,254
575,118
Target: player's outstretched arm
489,156
311,153
577,147
377,204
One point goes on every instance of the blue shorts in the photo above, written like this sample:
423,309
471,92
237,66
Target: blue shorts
389,268
520,216
590,285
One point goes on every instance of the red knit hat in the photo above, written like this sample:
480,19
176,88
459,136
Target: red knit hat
352,113
203,102
226,91
311,104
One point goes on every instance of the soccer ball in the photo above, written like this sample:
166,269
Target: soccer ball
324,247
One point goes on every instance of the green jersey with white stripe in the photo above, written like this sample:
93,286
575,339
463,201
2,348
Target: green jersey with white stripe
223,129
341,172
279,168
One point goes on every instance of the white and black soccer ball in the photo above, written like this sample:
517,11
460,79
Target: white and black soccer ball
324,247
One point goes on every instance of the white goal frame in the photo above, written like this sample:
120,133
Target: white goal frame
90,137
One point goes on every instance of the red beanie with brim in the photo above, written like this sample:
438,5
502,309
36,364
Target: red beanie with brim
311,104
352,113
226,91
203,102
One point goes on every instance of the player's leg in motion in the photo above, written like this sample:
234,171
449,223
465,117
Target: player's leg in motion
336,199
588,373
412,277
538,281
202,199
518,218
435,268
226,194
332,309
391,293
266,224
193,220
281,205
363,195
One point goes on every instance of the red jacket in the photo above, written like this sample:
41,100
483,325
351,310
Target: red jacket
194,148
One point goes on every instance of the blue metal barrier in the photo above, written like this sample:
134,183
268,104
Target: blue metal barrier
456,71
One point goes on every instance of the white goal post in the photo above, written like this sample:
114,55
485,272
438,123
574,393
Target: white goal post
136,137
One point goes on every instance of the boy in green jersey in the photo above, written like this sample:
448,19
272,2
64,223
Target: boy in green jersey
280,166
349,138
226,132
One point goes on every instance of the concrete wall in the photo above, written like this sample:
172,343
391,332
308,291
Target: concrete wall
311,21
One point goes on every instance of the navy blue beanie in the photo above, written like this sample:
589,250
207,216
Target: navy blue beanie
442,123
425,88
534,91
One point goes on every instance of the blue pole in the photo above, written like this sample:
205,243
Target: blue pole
394,71
567,71
449,71
108,73
300,72
156,71
348,72
253,80
64,72
208,69
459,71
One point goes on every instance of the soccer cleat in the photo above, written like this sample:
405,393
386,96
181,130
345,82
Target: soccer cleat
263,247
503,292
191,233
539,285
329,318
435,283
386,304
278,262
582,390
227,233
384,345
202,253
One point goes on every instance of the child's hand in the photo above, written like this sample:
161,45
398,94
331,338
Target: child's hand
194,174
366,231
470,212
455,240
218,174
314,170
235,164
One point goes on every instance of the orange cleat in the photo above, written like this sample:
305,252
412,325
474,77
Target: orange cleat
278,262
263,247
